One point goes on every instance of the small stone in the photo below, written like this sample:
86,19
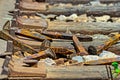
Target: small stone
48,61
62,5
118,21
91,57
68,5
24,16
78,58
107,54
36,17
51,16
111,4
104,18
61,18
41,15
81,18
72,17
115,19
31,17
90,19
100,37
113,34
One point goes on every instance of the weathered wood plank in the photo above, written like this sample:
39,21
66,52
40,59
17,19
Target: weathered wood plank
68,1
84,27
104,10
76,72
33,6
90,10
31,23
109,1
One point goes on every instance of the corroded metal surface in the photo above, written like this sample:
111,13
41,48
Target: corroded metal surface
17,70
58,35
80,49
30,62
33,35
4,35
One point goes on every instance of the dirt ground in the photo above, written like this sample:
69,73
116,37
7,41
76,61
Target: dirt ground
5,6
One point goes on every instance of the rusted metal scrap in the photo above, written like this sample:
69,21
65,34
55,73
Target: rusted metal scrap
42,54
32,34
62,50
6,36
45,44
31,63
80,49
58,35
16,69
109,43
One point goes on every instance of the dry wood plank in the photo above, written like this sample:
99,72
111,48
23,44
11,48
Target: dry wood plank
103,61
61,1
68,1
104,10
75,72
90,10
109,1
84,27
31,23
17,69
35,6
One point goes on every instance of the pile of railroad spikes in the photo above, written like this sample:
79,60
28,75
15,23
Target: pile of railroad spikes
38,38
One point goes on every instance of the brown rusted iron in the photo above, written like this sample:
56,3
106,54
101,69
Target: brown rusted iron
6,36
33,35
58,50
60,61
62,50
45,44
109,43
31,63
46,53
31,23
18,69
58,35
79,47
